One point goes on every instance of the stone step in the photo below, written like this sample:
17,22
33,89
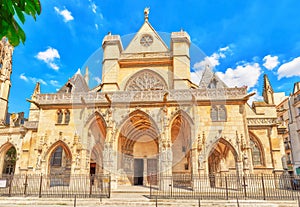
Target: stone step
140,201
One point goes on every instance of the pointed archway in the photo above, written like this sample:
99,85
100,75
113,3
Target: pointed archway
181,144
8,158
222,158
96,137
59,164
138,150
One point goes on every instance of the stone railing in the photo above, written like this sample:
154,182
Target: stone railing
261,121
11,130
31,124
145,55
143,96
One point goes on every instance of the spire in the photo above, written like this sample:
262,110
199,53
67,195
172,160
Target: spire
86,75
6,52
78,71
36,91
268,91
146,13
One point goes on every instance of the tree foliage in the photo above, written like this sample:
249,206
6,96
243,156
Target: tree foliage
9,26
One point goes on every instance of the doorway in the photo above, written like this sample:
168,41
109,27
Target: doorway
138,171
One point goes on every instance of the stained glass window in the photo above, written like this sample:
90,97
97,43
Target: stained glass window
256,154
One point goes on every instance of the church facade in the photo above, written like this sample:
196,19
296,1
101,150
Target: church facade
146,118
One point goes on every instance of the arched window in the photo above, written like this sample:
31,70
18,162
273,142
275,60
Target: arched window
218,113
10,161
256,153
69,88
56,157
213,84
67,116
59,116
214,113
222,113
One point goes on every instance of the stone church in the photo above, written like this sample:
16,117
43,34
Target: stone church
146,118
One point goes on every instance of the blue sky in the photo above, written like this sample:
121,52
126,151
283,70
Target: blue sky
242,40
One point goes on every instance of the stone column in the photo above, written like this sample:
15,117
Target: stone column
145,172
166,159
110,163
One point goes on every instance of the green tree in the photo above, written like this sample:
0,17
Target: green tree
9,9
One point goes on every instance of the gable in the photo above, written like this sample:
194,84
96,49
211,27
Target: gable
211,80
146,40
75,84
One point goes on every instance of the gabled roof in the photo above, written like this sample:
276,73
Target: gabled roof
158,44
209,78
77,84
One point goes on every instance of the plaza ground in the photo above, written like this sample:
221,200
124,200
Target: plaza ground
135,197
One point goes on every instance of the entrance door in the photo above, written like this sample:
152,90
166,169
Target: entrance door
138,171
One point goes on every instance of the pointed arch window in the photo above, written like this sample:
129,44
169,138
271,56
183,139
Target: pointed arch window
213,84
10,161
218,113
214,113
63,117
256,153
222,113
67,116
59,116
69,88
57,157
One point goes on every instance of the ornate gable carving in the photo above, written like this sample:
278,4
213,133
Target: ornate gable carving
145,80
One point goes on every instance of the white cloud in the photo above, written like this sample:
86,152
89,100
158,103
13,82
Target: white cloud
49,56
32,79
101,16
270,62
255,97
196,76
212,61
97,79
55,83
23,77
289,69
96,25
242,75
66,14
54,66
94,7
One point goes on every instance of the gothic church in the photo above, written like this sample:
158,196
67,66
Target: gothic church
146,118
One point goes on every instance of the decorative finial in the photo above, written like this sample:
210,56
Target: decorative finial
146,13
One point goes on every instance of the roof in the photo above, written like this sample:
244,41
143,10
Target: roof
210,77
77,84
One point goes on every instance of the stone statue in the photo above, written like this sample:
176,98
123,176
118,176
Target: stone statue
245,160
223,165
146,13
38,161
77,159
200,161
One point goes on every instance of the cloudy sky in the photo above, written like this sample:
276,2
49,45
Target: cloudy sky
241,40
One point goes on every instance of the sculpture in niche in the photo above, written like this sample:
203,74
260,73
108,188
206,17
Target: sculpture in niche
39,160
145,80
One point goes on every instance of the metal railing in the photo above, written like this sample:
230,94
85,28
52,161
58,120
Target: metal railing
257,187
85,186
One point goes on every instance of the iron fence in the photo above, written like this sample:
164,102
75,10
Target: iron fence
257,187
95,186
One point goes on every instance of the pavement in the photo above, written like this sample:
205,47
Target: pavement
135,197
